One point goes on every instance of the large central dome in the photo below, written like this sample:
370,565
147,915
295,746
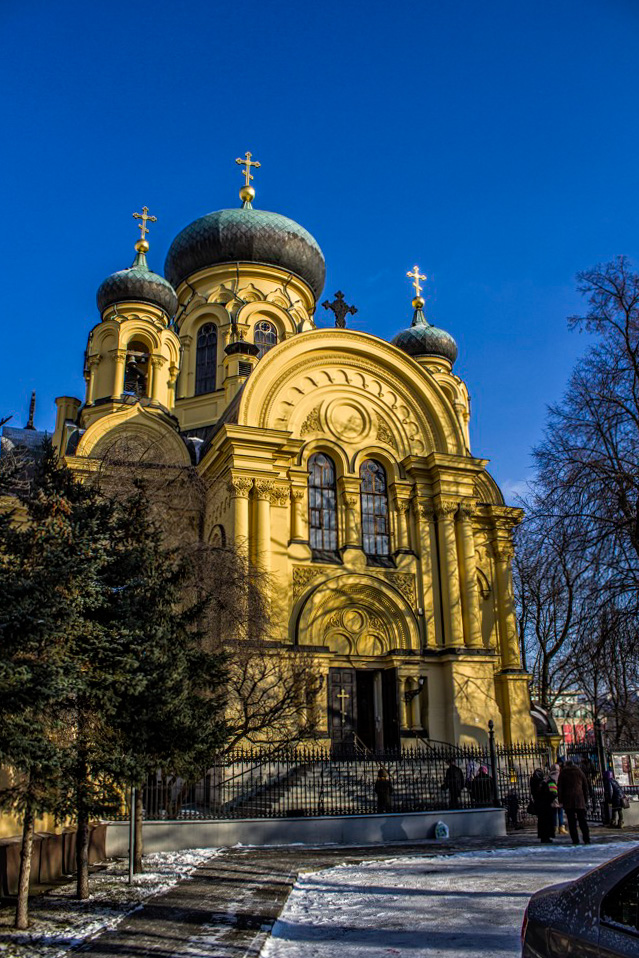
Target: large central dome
249,236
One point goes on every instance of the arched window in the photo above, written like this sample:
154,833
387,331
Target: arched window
375,537
136,370
322,506
265,336
206,359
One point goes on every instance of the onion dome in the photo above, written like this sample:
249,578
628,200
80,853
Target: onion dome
137,284
422,338
247,236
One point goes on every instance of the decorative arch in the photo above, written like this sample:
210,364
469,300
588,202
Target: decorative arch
487,490
330,448
357,614
251,313
319,373
153,437
394,471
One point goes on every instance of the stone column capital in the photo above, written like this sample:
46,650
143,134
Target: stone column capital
119,355
425,509
467,509
239,487
446,508
264,489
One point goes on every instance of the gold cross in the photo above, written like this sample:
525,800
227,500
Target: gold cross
343,696
144,216
248,163
416,276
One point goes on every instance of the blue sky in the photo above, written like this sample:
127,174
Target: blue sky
494,143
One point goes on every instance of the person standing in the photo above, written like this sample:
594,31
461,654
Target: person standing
453,783
614,795
543,796
383,790
558,812
481,788
573,795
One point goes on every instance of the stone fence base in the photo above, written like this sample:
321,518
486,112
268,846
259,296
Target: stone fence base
323,830
53,856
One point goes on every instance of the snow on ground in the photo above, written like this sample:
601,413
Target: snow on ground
59,922
464,905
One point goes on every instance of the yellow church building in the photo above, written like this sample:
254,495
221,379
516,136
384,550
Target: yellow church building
340,462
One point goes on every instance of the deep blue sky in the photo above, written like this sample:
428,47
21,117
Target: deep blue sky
495,143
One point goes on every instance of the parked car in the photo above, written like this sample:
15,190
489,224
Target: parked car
596,916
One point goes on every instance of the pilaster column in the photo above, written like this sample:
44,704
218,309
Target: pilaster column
402,508
470,597
430,599
153,388
264,489
403,711
183,380
415,709
445,511
92,364
298,525
119,359
509,643
351,537
239,488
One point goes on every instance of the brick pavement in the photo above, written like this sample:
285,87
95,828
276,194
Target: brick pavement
228,906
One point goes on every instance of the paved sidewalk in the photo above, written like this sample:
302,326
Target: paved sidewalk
228,906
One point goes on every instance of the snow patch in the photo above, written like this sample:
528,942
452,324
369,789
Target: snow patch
59,923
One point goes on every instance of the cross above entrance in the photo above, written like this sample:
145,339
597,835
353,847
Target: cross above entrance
343,696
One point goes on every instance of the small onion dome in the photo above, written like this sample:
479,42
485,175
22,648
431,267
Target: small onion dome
423,339
249,236
139,285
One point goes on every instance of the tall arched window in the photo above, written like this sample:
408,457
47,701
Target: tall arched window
322,505
206,359
136,370
375,537
265,336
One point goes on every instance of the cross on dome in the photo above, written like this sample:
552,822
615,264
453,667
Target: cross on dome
247,193
142,245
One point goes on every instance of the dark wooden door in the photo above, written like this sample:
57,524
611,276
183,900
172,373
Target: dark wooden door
366,707
390,708
342,708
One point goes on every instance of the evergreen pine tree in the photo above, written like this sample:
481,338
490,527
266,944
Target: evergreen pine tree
172,714
53,552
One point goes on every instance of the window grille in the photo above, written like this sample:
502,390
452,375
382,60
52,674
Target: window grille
375,537
265,336
322,505
206,359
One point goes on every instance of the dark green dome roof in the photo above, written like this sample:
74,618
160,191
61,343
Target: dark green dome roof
422,339
137,284
250,236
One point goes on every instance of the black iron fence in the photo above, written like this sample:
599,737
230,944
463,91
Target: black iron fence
310,781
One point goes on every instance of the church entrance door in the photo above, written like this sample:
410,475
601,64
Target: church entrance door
362,709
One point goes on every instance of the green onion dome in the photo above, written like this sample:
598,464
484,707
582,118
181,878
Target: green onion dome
137,284
249,236
423,339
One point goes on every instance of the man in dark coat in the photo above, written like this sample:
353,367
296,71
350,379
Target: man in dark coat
481,789
453,783
542,800
383,790
573,795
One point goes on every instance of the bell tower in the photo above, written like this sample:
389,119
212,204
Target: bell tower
133,353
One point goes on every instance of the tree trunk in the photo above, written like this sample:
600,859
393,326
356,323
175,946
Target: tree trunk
139,842
82,853
82,811
28,826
